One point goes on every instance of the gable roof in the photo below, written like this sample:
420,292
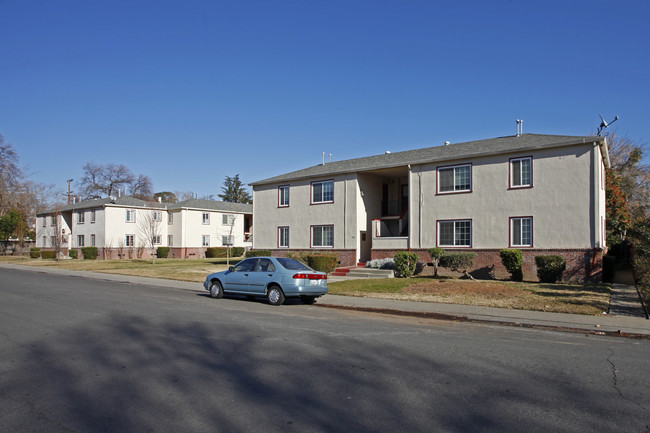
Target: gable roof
469,149
212,205
125,201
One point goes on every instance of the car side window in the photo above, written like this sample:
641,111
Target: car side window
265,265
246,266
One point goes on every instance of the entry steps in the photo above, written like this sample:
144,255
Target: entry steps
360,271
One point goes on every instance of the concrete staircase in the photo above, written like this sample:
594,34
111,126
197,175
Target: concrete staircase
360,271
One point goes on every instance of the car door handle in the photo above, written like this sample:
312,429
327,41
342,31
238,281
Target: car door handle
270,275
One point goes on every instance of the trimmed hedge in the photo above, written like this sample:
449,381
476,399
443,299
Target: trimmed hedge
257,253
513,261
222,252
550,268
609,268
34,253
405,264
324,263
48,254
458,262
73,254
89,253
162,252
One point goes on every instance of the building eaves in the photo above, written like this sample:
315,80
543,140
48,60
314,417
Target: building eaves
125,201
457,151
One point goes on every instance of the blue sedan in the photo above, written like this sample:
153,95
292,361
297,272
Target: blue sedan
276,278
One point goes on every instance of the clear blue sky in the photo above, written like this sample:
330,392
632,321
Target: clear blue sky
188,92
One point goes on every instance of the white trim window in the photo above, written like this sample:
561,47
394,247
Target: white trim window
457,178
521,232
322,236
322,192
455,233
283,237
521,172
130,240
93,217
170,240
157,216
130,215
205,240
283,196
227,240
206,217
227,219
92,240
81,217
170,218
44,221
157,239
80,241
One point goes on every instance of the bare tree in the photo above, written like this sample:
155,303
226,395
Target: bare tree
149,223
142,187
626,156
57,238
230,240
104,180
120,248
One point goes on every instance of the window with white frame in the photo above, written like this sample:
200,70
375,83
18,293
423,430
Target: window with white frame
92,240
227,240
130,240
283,237
44,221
44,241
170,240
227,219
52,220
206,218
157,216
521,232
170,218
455,233
80,241
283,196
52,241
322,192
457,178
81,217
521,172
130,215
205,240
157,239
93,217
322,236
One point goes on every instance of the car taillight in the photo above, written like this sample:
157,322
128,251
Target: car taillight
310,276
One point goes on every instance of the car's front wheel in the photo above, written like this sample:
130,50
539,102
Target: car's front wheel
308,299
275,296
216,290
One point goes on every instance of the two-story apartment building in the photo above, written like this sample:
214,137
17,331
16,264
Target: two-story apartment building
544,194
121,227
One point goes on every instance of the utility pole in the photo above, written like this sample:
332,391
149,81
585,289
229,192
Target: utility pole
69,192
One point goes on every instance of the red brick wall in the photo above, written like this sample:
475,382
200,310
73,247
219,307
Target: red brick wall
581,265
346,257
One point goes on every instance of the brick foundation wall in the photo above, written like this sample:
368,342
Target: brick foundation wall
581,265
346,257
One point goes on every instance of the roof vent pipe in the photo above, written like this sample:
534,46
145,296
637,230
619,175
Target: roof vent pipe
446,143
387,152
323,158
330,157
520,127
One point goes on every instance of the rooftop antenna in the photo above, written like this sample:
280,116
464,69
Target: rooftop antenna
520,127
604,124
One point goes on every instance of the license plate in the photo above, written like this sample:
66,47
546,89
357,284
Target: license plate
313,282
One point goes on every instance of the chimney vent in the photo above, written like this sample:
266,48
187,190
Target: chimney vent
446,143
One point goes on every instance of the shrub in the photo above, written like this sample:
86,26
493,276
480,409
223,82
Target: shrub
73,254
609,268
89,253
459,262
257,253
550,268
34,253
323,263
405,263
215,252
436,254
513,260
162,252
237,251
301,256
48,254
419,267
381,263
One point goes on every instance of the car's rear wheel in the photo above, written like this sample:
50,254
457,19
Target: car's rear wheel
274,295
216,290
308,299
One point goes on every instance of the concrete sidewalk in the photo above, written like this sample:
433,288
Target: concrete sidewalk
601,325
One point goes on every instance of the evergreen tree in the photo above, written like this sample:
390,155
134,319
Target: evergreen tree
234,192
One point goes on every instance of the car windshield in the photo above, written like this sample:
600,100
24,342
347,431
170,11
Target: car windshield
293,265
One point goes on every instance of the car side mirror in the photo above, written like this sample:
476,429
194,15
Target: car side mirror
231,269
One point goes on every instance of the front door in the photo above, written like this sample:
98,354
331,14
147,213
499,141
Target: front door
261,276
365,245
238,279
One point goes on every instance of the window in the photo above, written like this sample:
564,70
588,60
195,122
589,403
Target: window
130,215
80,241
92,240
521,172
521,232
206,218
157,239
283,237
322,192
227,219
52,220
157,216
92,217
130,240
455,179
205,240
283,196
170,218
52,241
81,217
322,236
44,221
227,240
44,241
170,240
455,233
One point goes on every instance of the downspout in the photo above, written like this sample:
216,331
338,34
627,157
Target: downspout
345,213
410,208
420,207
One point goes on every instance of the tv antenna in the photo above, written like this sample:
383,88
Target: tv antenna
604,124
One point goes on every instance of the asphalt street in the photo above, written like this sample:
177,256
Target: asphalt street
89,355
